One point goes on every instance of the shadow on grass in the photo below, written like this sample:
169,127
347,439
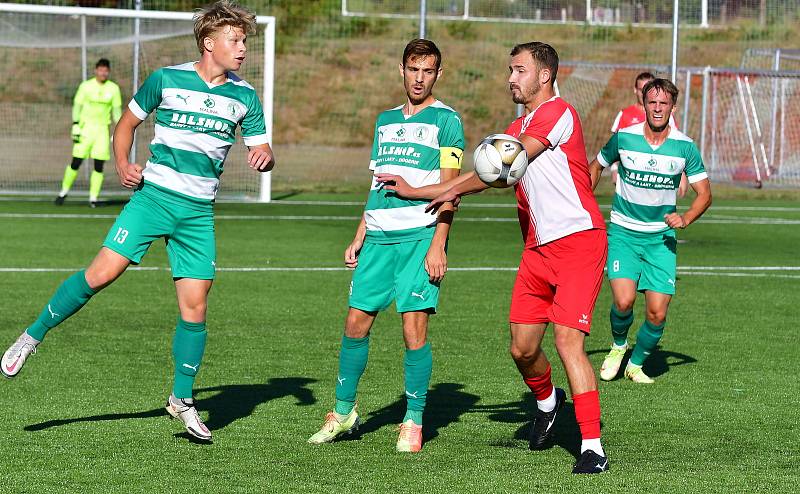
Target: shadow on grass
658,363
445,404
225,405
566,433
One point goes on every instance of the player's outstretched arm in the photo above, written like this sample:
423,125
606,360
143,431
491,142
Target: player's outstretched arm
260,158
470,184
399,186
595,170
130,174
700,204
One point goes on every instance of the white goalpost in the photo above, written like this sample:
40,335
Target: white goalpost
45,53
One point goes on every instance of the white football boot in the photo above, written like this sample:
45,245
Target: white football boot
15,356
184,410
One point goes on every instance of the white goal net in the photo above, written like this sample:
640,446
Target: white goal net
45,53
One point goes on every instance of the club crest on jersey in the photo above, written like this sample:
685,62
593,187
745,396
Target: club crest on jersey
421,133
232,109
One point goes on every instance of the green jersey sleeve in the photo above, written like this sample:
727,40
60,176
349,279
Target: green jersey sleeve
148,97
610,152
695,170
254,130
451,142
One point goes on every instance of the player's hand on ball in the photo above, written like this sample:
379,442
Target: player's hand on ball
351,253
438,202
436,264
674,220
260,159
130,175
396,183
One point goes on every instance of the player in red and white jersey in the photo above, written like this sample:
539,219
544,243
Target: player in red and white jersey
634,114
561,270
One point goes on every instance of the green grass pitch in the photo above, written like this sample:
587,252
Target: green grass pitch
85,415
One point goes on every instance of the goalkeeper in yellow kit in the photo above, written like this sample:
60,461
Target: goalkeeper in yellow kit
96,102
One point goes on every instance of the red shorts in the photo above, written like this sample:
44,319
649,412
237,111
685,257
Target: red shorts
559,281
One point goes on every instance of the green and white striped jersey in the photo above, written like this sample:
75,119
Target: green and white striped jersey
649,177
416,148
195,127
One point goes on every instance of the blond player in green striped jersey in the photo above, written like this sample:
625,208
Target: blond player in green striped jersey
642,246
197,106
398,252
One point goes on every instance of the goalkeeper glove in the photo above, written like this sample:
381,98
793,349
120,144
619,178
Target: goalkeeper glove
76,132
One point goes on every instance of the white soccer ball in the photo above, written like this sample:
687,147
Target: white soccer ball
500,160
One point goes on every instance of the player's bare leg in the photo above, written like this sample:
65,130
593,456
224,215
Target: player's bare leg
624,294
73,294
187,350
418,365
352,362
582,383
649,335
532,363
106,267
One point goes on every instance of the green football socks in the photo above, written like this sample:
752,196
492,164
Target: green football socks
73,294
187,350
620,324
95,184
69,178
418,367
646,342
352,363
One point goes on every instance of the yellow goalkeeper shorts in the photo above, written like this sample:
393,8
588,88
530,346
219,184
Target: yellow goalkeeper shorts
94,143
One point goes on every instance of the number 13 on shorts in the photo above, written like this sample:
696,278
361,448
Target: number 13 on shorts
121,235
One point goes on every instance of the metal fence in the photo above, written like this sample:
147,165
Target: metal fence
334,73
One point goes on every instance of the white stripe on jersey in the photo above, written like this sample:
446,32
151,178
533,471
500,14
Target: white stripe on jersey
137,111
414,176
637,225
554,209
255,140
398,218
190,185
697,177
409,133
178,99
662,163
188,140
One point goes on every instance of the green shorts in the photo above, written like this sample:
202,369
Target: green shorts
393,272
187,229
94,143
649,259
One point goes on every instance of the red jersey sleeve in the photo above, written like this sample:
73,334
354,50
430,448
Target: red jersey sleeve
550,124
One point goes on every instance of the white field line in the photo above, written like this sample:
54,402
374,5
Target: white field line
271,217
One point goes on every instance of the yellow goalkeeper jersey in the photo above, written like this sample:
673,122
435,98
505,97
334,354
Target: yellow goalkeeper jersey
96,103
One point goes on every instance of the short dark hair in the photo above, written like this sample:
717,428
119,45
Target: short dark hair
644,76
543,54
422,48
103,62
659,85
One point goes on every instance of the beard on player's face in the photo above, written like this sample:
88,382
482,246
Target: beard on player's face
524,94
